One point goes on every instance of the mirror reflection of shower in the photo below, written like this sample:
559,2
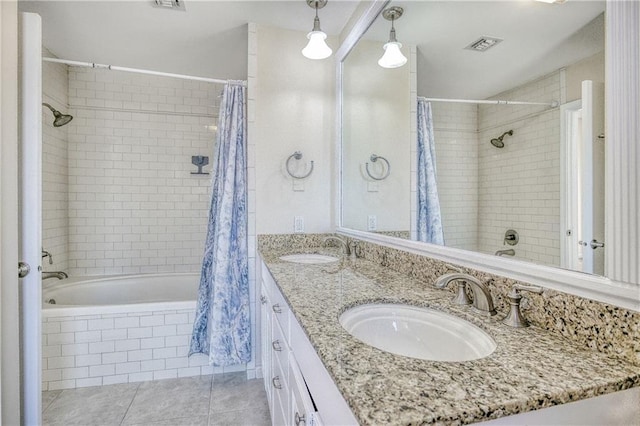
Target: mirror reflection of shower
497,142
59,119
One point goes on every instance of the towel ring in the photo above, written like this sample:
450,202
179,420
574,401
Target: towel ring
298,155
373,159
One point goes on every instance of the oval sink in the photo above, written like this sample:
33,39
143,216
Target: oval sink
417,332
309,258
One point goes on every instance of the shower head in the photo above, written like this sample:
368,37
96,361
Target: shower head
497,142
59,119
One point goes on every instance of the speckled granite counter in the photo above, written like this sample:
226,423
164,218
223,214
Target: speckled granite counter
530,369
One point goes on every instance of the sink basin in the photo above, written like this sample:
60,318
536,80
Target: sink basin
309,258
417,332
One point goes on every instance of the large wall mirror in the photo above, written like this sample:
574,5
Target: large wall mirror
512,132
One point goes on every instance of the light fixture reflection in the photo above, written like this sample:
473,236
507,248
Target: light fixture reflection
317,47
393,57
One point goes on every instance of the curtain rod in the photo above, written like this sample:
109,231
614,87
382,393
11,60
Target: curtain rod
552,104
140,71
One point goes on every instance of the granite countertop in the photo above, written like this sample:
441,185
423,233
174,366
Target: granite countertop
530,369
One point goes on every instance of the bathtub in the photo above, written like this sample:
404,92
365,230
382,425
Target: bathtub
120,329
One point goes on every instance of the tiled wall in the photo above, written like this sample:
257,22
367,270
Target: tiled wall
55,225
134,206
520,183
456,141
103,349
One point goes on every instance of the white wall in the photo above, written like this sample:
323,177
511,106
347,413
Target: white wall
134,205
292,110
376,110
55,213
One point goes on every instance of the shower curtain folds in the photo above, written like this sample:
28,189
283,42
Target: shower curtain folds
429,227
222,326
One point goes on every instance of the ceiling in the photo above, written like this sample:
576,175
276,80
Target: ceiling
538,38
210,38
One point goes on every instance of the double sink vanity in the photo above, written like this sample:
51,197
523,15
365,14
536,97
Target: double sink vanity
348,341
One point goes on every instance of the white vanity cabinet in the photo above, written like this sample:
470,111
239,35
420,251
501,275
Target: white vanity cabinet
299,388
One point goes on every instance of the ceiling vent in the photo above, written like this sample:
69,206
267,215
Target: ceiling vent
483,44
169,4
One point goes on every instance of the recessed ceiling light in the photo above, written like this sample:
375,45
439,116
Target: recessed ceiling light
169,4
483,43
552,1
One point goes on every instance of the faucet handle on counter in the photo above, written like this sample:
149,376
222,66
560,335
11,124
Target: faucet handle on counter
515,318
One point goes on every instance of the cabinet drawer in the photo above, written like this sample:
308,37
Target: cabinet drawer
280,391
279,346
280,311
302,406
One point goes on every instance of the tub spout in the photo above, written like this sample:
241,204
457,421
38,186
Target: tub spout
54,274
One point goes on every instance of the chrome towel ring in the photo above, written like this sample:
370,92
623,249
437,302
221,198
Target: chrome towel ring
373,159
298,155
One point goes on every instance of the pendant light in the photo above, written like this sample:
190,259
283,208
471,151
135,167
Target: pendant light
317,47
393,57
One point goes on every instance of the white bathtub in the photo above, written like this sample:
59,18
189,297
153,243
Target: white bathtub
111,294
119,329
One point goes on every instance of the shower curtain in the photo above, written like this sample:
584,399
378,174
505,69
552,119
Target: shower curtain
222,324
429,219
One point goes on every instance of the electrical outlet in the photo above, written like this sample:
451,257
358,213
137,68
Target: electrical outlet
298,224
372,223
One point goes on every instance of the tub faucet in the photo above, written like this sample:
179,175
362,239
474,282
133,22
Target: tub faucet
507,252
54,274
47,254
343,243
482,299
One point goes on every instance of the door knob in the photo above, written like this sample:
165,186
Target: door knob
595,244
23,269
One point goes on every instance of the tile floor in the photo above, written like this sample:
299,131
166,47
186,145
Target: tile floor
226,399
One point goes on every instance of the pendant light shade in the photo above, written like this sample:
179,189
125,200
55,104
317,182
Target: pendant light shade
317,47
393,57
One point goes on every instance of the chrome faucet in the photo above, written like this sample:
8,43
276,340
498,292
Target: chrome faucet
54,274
482,299
47,254
343,243
507,252
515,318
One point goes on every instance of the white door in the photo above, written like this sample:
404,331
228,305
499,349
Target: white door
30,216
592,194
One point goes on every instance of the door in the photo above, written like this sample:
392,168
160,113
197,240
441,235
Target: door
592,177
29,210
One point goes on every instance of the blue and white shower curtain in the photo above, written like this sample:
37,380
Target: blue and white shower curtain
222,326
429,218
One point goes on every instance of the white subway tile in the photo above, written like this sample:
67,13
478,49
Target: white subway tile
84,360
112,380
128,367
165,374
101,347
60,362
75,373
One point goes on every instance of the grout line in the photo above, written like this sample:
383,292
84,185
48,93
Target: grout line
130,404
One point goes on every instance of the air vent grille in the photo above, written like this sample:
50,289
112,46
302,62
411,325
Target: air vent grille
483,44
169,4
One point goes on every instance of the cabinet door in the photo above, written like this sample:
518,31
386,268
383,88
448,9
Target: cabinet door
280,404
302,407
265,337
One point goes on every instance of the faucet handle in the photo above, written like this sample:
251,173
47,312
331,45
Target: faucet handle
529,288
453,268
515,318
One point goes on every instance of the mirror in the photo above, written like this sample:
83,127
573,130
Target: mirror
514,180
